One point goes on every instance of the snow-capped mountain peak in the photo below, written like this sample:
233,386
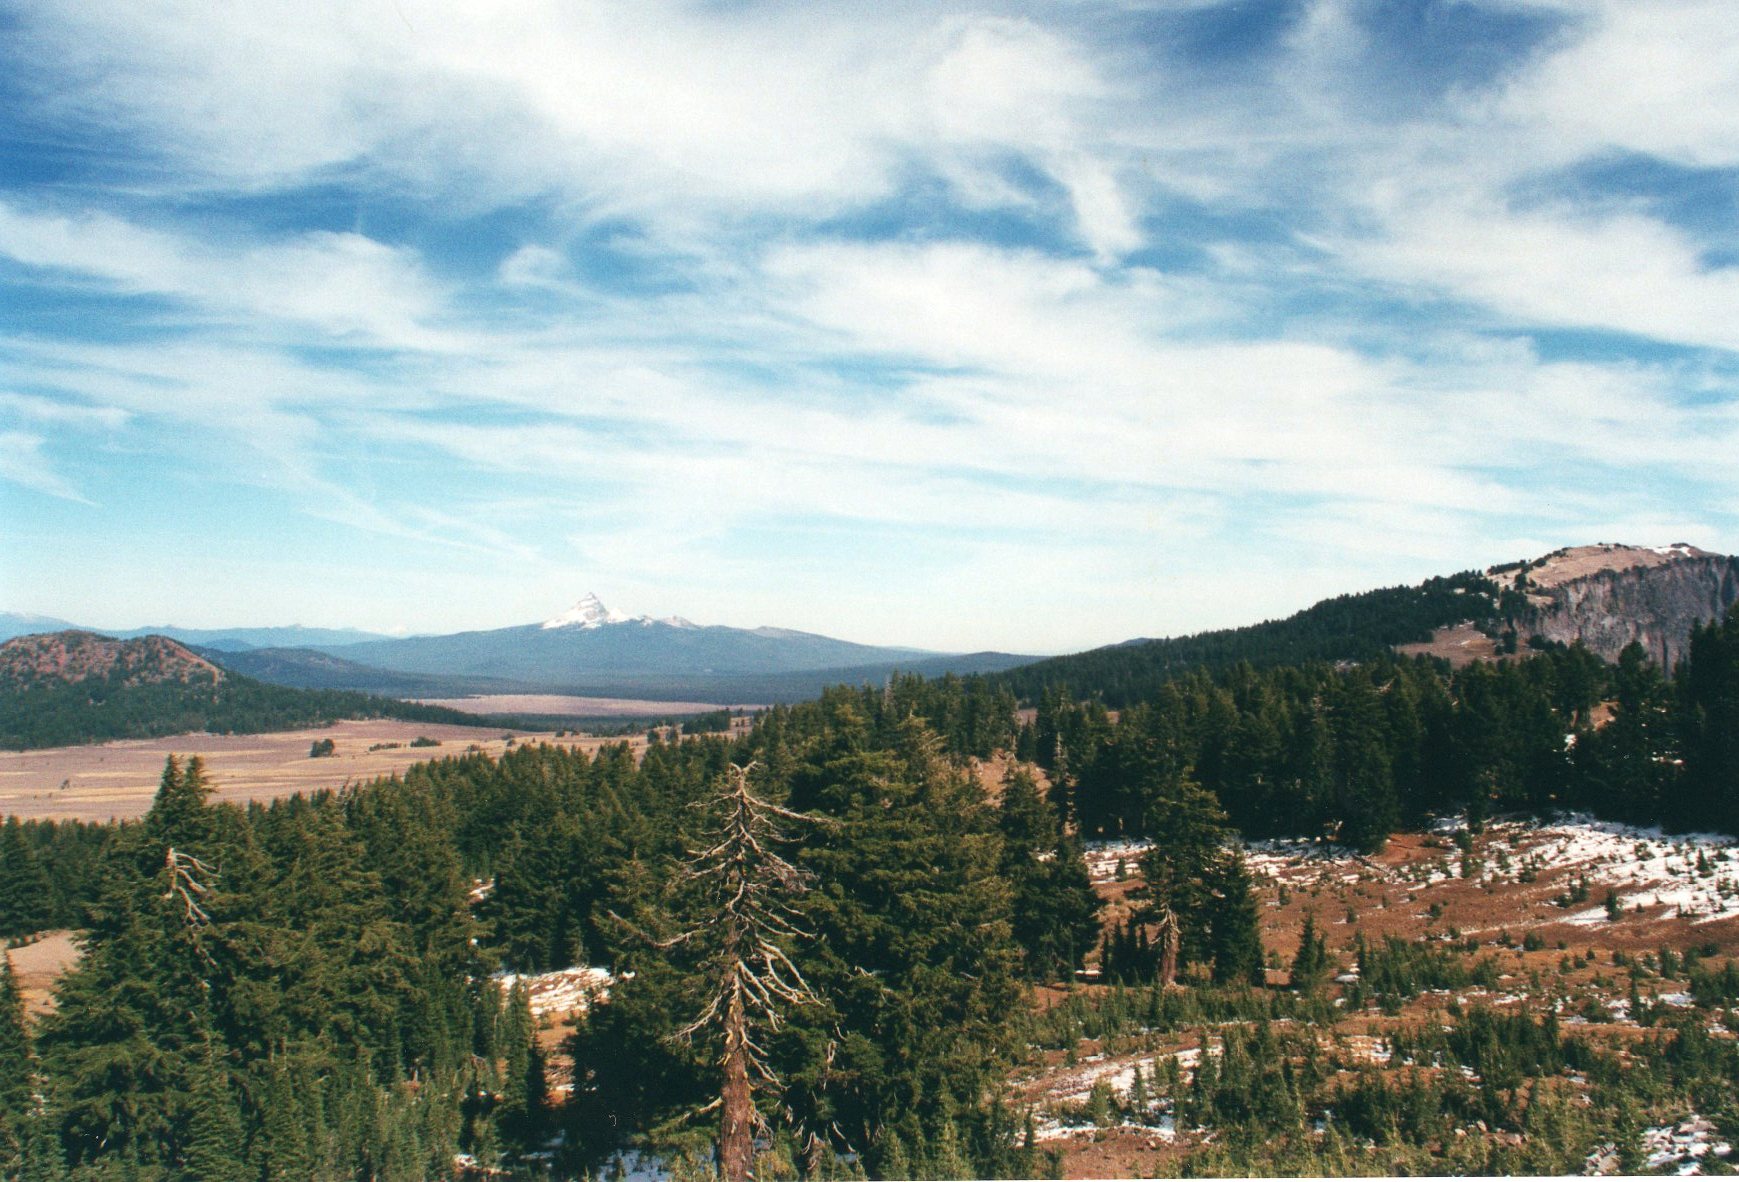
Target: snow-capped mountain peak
589,612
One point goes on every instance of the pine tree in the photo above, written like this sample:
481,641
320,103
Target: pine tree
1055,909
1625,769
913,950
1310,964
1189,834
18,1080
1234,930
1364,785
1709,713
213,1139
26,895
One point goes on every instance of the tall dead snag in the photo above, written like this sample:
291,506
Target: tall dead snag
1168,944
746,888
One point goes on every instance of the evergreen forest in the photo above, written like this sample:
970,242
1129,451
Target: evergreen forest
48,713
835,932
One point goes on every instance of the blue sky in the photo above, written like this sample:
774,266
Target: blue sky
1029,327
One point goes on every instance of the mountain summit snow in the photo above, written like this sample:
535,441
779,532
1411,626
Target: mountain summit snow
589,612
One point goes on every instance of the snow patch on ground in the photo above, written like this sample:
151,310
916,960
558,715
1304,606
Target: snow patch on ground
1695,875
1679,1148
1102,857
562,991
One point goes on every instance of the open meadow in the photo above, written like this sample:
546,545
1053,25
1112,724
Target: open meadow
100,781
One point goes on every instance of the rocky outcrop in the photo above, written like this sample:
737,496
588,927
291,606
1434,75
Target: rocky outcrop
1656,605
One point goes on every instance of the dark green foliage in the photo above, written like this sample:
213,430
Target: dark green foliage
17,1072
1716,987
913,943
69,856
1350,627
1191,870
712,722
1310,965
1354,752
27,902
1054,909
58,713
1364,797
1397,969
251,999
1709,724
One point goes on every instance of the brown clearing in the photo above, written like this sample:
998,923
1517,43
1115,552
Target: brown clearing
36,965
98,782
1461,645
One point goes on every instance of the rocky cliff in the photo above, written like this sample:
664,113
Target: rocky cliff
1608,596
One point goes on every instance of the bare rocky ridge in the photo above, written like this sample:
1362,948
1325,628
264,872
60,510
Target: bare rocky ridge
79,656
1607,596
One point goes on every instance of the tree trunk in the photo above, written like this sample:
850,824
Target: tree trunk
736,1102
1168,942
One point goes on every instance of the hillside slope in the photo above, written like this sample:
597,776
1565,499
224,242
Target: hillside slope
63,688
1603,596
1346,627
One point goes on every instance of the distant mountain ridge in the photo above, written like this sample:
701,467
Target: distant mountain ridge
24,624
71,687
225,639
589,649
592,641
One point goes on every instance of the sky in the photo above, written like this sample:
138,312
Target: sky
1021,327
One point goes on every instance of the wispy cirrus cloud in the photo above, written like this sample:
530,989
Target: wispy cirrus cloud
776,311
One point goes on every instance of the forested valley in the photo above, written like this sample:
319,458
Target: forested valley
312,988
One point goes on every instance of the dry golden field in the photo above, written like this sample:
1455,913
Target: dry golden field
117,780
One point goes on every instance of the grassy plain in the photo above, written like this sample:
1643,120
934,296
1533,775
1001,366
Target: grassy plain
97,782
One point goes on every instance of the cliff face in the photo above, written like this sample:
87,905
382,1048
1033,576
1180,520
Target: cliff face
1656,605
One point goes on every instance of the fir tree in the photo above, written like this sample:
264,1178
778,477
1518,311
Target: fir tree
1189,834
1310,964
1055,909
1234,930
18,1081
26,894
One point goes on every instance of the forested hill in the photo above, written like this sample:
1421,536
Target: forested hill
64,688
1347,627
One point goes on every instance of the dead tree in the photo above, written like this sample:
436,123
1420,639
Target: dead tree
1168,943
182,885
178,872
746,887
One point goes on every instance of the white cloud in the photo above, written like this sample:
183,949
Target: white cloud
1658,78
345,285
51,411
922,387
23,462
1557,268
